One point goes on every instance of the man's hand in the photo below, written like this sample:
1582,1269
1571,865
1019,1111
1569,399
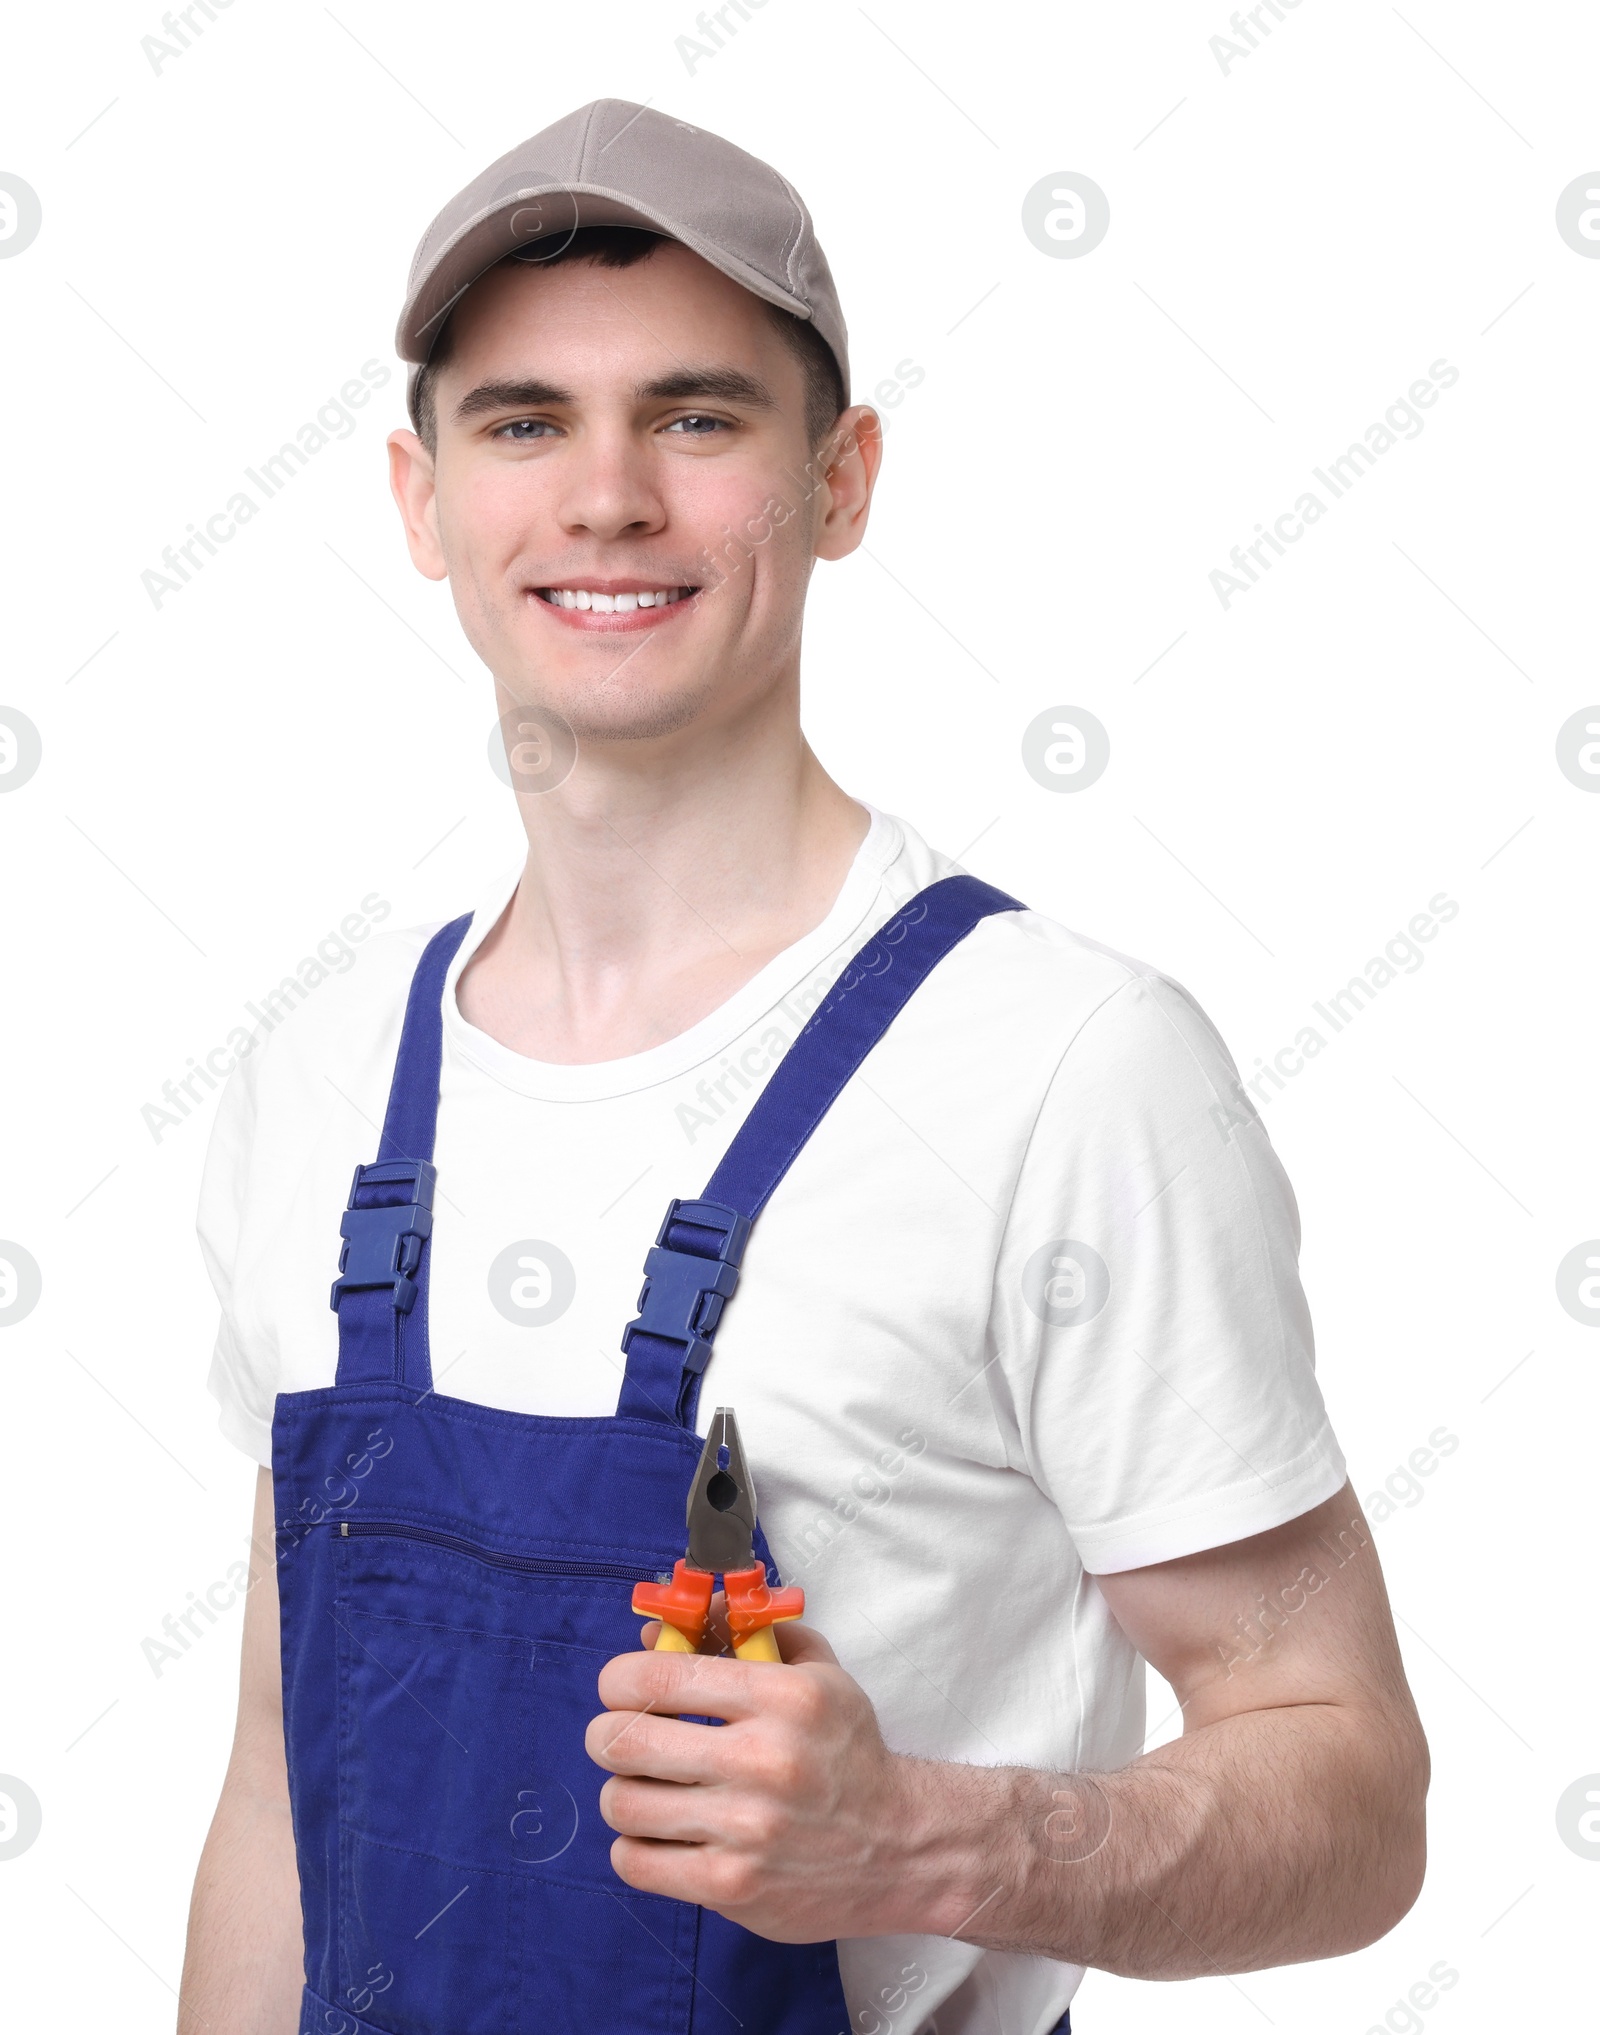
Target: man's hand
1285,1823
792,1818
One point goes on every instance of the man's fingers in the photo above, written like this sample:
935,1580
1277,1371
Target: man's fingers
660,1811
639,1742
696,1684
650,1867
802,1643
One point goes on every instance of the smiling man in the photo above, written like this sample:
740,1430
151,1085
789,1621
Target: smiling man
1014,1331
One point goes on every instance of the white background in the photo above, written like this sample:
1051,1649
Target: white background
1291,779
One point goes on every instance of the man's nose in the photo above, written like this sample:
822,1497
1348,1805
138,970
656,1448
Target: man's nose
610,489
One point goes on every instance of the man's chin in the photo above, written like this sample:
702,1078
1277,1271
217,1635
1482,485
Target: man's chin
603,710
640,719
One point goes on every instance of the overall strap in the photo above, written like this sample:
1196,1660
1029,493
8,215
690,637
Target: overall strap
693,1268
381,1293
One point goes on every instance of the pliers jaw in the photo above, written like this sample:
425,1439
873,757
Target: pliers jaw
721,1517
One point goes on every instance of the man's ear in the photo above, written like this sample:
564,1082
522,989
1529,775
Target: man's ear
411,484
850,457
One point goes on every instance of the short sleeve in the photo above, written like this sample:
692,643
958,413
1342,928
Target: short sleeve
244,1397
1154,1353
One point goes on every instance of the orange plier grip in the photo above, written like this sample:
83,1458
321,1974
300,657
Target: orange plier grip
684,1609
683,1606
754,1607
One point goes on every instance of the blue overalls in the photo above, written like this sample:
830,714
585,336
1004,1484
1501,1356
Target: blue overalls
453,1577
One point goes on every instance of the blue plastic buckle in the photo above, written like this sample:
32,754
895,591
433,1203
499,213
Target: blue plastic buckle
383,1245
684,1292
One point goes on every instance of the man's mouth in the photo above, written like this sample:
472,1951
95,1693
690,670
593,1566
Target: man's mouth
616,605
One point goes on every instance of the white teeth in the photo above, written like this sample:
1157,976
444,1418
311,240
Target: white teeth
614,604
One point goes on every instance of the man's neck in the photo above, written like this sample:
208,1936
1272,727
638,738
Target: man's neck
657,884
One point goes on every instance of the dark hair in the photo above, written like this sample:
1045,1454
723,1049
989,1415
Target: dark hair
620,247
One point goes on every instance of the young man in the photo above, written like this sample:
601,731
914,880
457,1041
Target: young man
1018,1349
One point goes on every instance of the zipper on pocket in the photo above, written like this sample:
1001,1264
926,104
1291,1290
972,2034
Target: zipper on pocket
533,1565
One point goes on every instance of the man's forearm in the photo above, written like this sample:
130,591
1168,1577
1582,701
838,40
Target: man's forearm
243,1969
1262,1839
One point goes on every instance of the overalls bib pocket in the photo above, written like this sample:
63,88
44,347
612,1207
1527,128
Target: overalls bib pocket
468,1806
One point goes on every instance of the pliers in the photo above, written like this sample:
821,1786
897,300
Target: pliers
721,1515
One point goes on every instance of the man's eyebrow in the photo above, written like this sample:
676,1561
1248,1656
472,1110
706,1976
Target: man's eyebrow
716,384
725,384
512,396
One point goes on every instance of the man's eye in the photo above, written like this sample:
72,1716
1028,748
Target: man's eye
523,429
696,426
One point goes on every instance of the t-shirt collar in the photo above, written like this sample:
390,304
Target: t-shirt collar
849,914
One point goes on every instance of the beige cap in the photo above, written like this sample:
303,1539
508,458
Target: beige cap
616,164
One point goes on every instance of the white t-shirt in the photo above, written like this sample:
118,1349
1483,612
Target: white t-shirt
1025,1309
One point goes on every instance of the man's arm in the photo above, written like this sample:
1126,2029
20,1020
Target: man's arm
243,1968
1286,1823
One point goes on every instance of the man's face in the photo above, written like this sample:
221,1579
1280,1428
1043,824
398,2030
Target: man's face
601,432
